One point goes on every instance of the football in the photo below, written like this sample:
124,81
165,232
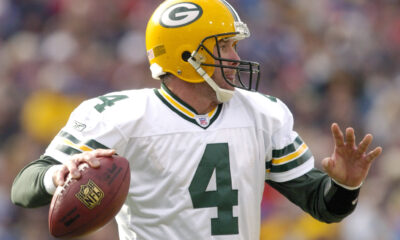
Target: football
86,204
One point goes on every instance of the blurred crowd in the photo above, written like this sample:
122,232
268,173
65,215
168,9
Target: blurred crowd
329,60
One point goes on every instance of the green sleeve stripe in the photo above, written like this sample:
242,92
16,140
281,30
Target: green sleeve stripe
95,144
69,137
68,150
278,153
292,164
91,143
268,165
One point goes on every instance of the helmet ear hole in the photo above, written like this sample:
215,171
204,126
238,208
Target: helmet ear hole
186,55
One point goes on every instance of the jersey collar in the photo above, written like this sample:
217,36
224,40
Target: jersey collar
186,111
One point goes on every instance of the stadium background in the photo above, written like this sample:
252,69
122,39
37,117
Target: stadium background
329,60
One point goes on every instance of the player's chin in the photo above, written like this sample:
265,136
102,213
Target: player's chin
230,82
227,86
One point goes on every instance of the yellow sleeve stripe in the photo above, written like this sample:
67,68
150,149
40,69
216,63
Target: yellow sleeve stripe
287,158
81,147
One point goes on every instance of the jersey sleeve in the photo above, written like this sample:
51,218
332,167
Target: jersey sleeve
89,127
28,188
290,156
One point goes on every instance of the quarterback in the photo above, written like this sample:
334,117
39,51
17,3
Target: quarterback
202,146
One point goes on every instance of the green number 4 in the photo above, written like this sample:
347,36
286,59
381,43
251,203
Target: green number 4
108,101
216,157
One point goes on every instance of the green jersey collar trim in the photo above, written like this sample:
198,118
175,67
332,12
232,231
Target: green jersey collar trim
186,111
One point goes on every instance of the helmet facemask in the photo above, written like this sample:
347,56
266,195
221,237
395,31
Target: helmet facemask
247,72
243,68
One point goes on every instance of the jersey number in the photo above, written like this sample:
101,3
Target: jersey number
108,101
216,157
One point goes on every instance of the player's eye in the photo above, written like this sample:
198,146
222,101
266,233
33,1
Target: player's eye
224,45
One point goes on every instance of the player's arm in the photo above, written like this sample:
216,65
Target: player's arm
333,195
36,183
28,188
317,194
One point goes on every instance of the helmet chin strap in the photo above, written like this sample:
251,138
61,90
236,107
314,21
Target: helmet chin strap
223,95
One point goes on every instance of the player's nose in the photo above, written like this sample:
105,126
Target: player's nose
233,55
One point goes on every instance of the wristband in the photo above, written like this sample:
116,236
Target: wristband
347,187
339,199
48,179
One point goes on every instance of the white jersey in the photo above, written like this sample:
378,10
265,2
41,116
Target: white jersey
192,176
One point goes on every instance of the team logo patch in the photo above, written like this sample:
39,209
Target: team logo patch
90,194
180,14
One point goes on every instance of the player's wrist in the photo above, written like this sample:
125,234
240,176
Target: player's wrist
345,186
339,198
48,179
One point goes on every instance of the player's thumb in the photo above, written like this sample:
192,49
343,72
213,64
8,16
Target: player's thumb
327,164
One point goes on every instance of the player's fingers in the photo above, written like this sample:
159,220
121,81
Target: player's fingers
59,178
350,137
371,156
92,160
104,152
337,135
92,157
364,144
72,166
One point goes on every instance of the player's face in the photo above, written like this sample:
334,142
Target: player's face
227,50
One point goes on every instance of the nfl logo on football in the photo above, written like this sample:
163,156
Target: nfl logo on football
90,195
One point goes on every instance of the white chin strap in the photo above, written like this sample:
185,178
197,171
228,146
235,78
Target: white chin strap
223,95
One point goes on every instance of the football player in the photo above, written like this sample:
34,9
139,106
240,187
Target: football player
202,146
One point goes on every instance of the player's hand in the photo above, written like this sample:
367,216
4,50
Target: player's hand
349,163
71,166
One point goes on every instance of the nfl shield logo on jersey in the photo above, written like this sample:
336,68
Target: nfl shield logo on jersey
203,121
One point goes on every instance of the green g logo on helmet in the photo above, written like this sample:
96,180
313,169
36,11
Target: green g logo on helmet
180,14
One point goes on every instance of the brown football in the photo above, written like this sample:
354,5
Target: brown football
86,204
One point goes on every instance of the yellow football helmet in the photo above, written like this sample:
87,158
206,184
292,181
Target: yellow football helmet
181,36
